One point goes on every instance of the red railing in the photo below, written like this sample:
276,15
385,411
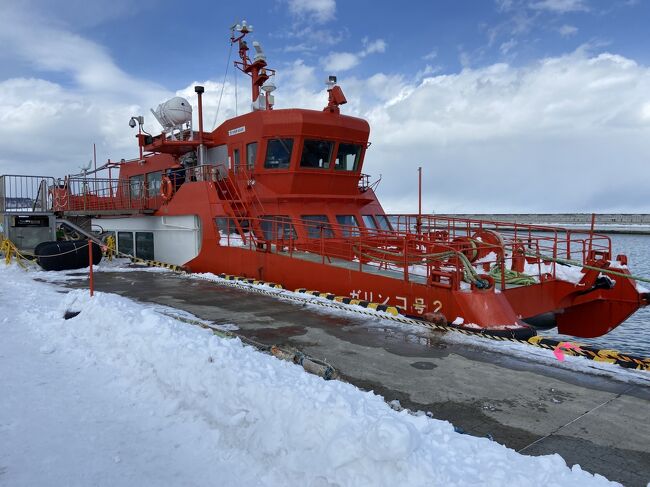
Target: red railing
103,195
445,252
93,194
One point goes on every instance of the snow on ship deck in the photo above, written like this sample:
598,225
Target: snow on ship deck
515,400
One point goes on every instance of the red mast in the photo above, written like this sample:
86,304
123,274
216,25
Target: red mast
256,69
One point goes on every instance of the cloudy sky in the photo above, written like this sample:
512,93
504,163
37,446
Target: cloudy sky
508,105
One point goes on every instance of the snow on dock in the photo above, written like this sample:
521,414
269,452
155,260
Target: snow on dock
121,395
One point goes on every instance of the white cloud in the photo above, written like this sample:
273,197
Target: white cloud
564,134
507,46
308,38
371,47
504,5
343,61
560,6
318,10
431,55
340,61
49,127
567,30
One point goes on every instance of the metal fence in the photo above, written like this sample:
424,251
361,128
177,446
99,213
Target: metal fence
25,194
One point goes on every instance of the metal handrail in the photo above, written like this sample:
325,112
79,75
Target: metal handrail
22,193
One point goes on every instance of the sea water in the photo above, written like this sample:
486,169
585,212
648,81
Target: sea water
633,335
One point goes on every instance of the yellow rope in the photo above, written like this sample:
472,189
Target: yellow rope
110,247
10,251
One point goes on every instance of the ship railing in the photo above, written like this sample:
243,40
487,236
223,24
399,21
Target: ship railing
209,172
335,244
25,194
557,242
80,194
443,257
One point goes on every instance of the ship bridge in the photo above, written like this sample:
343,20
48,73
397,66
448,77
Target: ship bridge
294,153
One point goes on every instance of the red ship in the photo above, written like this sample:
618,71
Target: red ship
279,195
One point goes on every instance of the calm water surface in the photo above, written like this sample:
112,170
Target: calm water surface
632,336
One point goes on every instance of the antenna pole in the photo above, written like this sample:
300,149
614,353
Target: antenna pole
95,165
418,224
255,69
199,92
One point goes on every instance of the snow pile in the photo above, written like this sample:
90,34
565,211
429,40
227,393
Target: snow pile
263,417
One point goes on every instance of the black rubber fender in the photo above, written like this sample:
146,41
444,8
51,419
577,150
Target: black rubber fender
66,255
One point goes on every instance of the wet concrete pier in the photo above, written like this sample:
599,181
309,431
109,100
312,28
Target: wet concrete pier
599,423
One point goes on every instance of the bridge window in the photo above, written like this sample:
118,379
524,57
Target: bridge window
136,184
277,227
350,227
317,225
383,222
153,183
278,153
251,154
316,154
369,222
347,157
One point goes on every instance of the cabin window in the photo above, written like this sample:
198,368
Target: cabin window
317,225
226,226
251,154
278,153
228,230
125,242
369,222
277,227
347,157
349,225
218,156
136,184
236,158
383,222
144,245
316,154
153,183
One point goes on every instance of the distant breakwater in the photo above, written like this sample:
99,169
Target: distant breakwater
624,223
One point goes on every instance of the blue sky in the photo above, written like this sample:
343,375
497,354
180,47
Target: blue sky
482,92
147,37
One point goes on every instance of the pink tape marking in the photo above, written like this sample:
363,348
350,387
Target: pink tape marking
559,354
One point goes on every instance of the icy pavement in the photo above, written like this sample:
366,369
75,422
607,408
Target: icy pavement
120,395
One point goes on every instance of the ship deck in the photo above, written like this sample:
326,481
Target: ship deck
355,266
517,401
